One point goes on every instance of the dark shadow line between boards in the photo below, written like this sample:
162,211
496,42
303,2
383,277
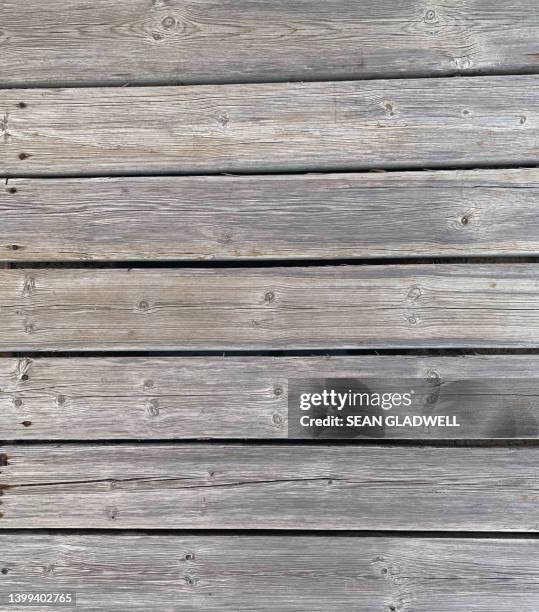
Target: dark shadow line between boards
323,76
397,352
279,171
262,173
357,442
294,533
493,260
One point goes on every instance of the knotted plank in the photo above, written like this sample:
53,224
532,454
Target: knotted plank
275,573
195,41
328,307
211,486
436,214
411,123
137,398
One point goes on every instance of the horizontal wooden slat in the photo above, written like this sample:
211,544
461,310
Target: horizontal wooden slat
140,572
271,127
134,41
488,212
279,308
210,486
239,397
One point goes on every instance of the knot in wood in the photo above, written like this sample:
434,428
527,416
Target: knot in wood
430,16
414,292
153,407
168,22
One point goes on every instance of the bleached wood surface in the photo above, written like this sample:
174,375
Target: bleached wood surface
326,307
113,398
394,214
285,486
185,41
271,127
275,573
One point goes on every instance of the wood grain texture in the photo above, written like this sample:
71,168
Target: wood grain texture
233,486
238,397
270,308
411,123
488,212
274,573
194,41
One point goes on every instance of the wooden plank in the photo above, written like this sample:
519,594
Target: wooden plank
237,397
3,266
232,486
173,572
163,41
270,308
411,123
487,212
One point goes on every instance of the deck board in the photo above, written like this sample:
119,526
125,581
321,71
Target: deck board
326,307
115,398
285,486
273,573
193,41
409,123
396,214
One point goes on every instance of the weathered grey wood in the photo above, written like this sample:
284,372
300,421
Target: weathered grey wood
160,41
284,308
271,127
237,397
211,486
487,212
193,573
4,266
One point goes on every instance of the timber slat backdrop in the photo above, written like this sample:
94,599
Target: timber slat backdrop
344,307
275,573
394,214
114,398
205,41
278,127
209,486
108,110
